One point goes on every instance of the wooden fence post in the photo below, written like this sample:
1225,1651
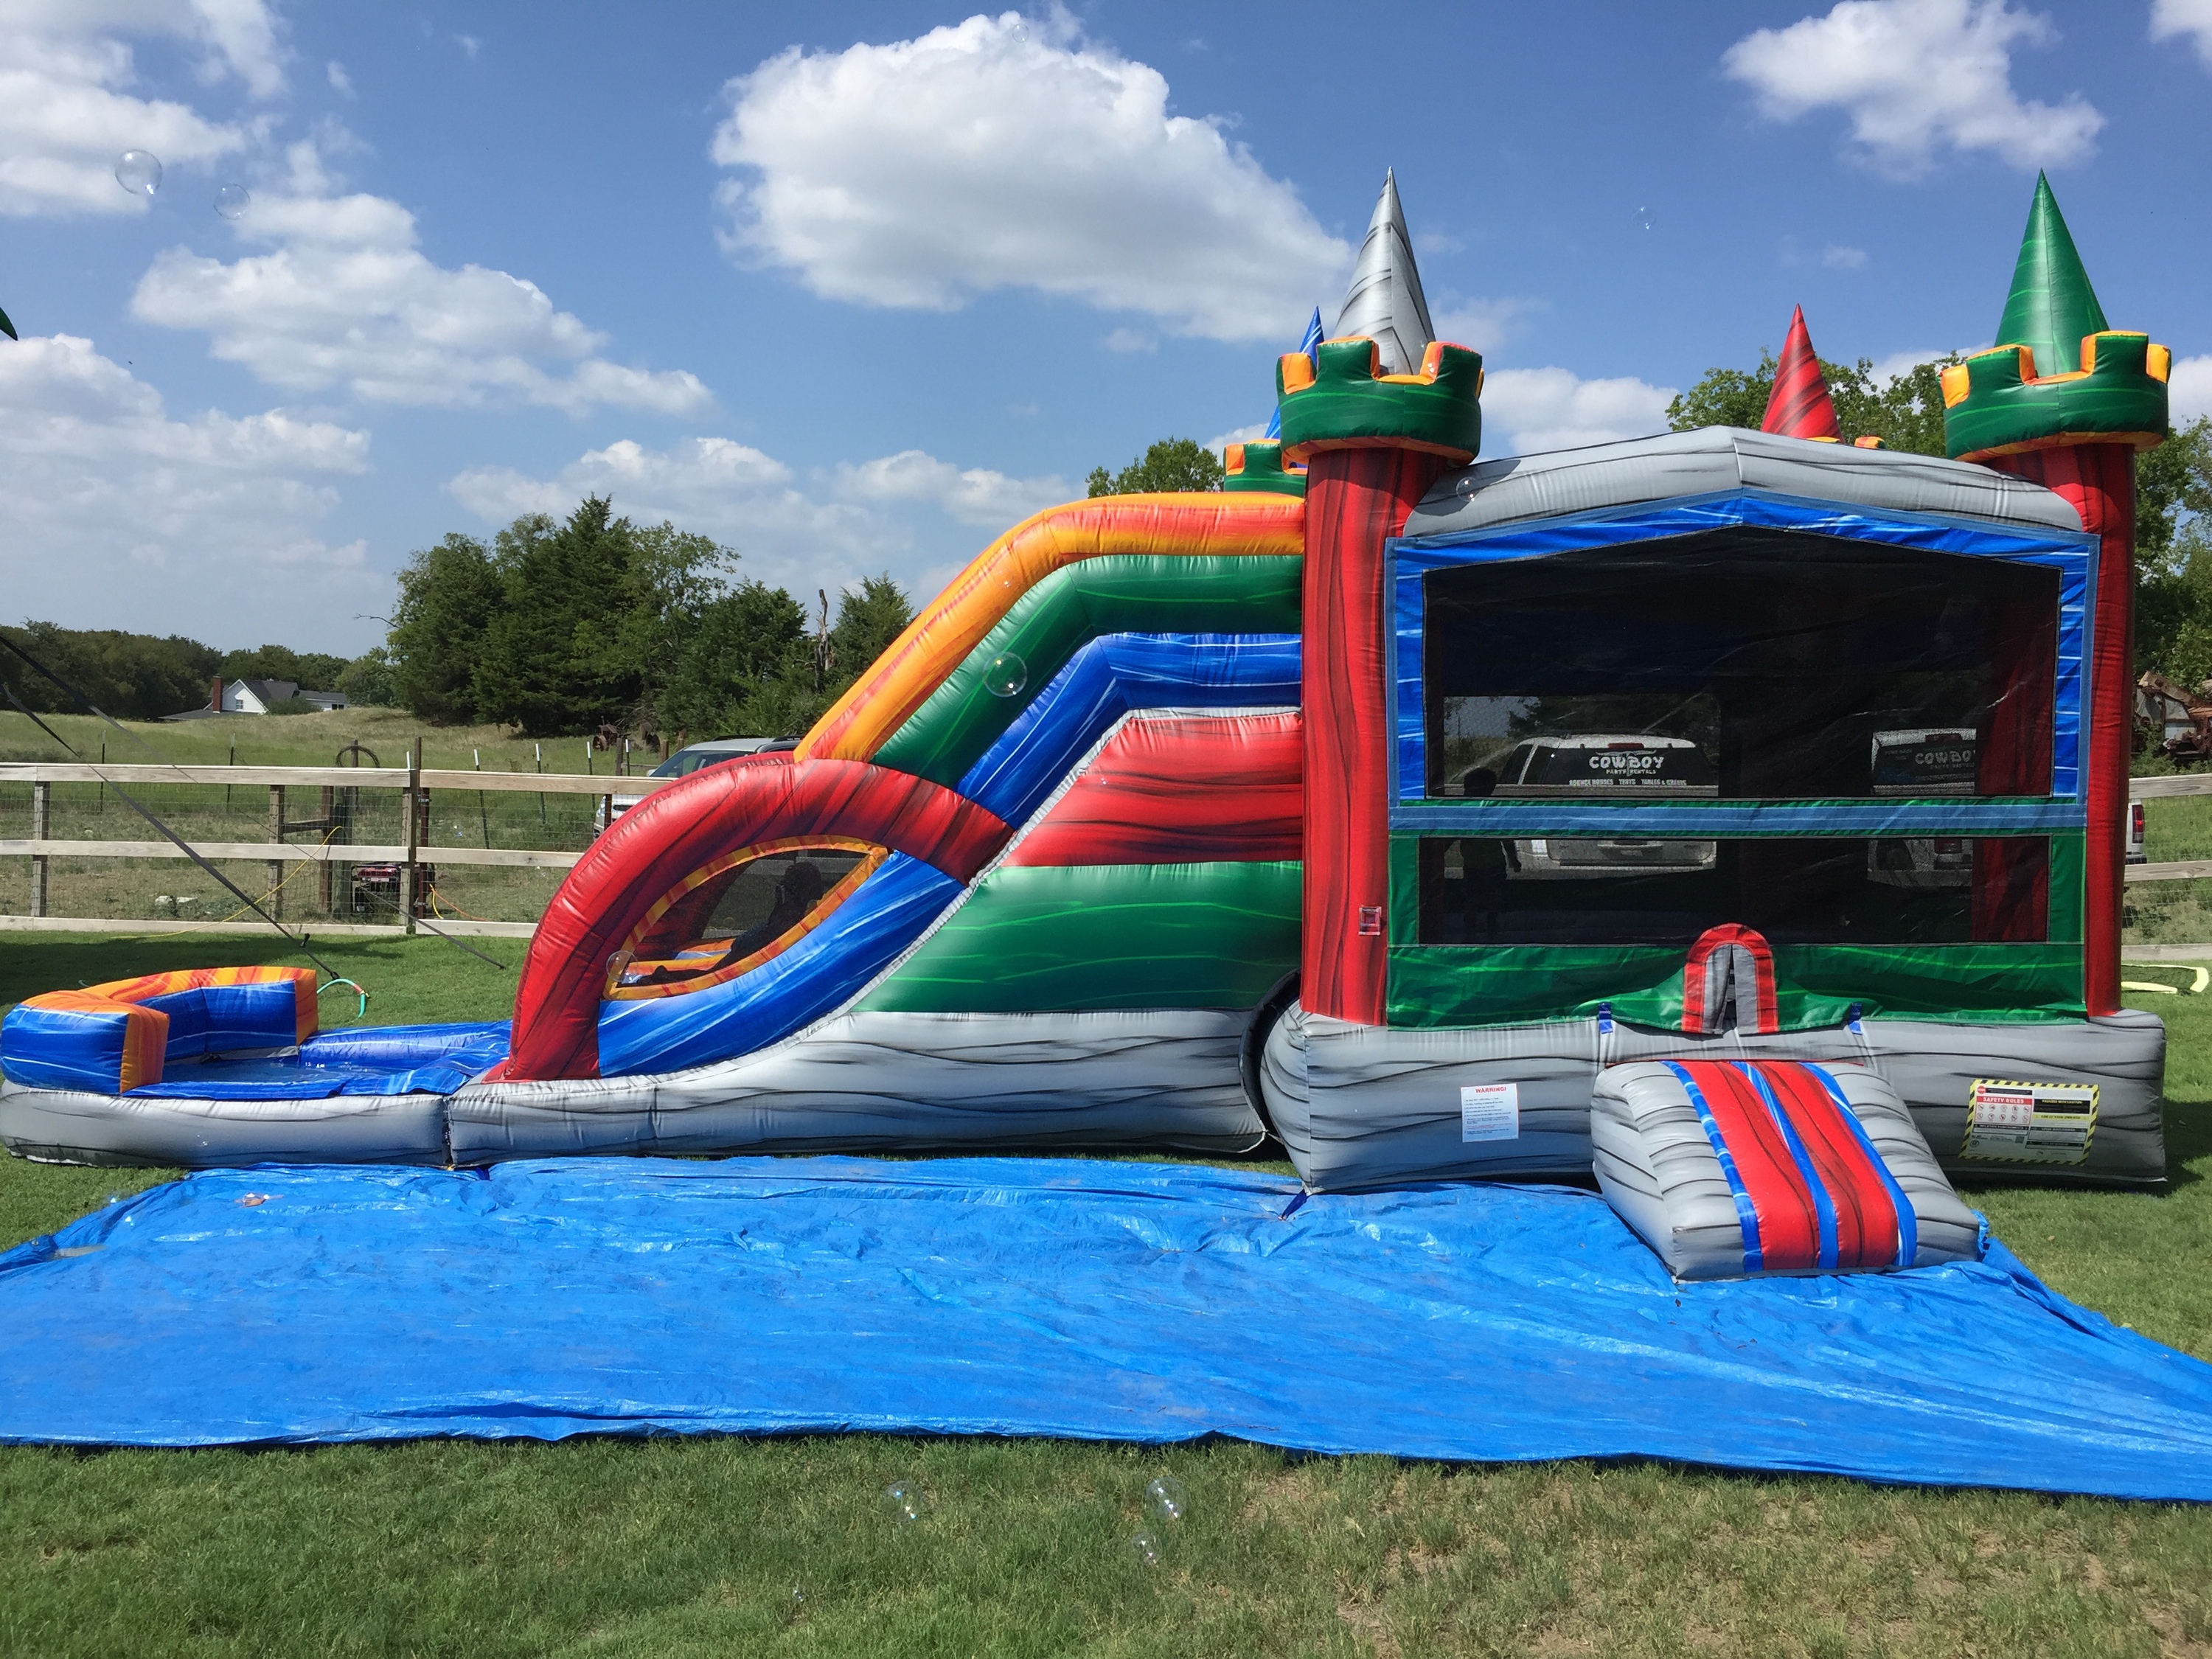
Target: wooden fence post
42,799
411,802
276,866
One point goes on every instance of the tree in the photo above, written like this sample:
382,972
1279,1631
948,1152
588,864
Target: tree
2174,555
369,682
311,670
1906,414
129,675
1171,465
448,595
674,577
745,638
553,659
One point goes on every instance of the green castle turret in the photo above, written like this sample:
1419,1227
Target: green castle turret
2059,373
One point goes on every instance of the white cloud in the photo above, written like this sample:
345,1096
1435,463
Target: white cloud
1483,325
68,104
206,526
827,530
975,495
1528,410
346,299
1127,340
2189,19
1916,76
1836,257
1242,434
339,80
2189,392
1012,153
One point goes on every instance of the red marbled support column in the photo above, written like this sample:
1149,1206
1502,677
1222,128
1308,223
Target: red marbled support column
2099,480
1356,498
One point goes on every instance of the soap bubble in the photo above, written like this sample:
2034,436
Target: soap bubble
1165,1498
232,199
1145,1544
114,1199
902,1500
1007,675
139,172
1646,219
1022,29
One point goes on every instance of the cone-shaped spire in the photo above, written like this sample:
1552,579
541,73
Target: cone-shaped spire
1385,302
2051,304
1800,406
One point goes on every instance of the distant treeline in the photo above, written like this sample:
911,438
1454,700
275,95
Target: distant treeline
145,676
563,627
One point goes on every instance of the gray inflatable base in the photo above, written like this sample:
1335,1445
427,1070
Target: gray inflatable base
1363,1106
900,1081
59,1126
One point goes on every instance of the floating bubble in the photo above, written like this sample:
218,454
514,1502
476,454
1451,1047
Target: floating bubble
231,201
1007,675
1145,1544
1646,219
902,1499
1165,1498
1022,29
114,1198
139,171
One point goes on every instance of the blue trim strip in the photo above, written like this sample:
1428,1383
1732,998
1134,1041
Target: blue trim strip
1908,1218
1511,819
1824,1206
1412,557
1746,1213
1111,675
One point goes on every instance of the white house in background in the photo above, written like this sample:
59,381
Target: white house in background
259,697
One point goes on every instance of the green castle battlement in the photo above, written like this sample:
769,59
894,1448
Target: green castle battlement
1339,398
1258,467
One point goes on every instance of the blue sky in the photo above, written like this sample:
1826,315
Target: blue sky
853,287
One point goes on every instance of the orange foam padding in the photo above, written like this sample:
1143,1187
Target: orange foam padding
1355,500
2097,480
148,986
1214,789
145,1032
938,639
652,848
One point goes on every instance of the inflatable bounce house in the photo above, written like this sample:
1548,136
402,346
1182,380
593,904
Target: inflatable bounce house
1733,814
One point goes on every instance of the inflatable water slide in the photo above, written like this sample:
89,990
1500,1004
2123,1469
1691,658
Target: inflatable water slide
1735,815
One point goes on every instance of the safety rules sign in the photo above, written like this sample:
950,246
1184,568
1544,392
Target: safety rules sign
2030,1122
1490,1111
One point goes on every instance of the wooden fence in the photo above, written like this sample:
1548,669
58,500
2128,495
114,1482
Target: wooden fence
415,785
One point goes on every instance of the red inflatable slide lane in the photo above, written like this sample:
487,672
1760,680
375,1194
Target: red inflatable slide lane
673,832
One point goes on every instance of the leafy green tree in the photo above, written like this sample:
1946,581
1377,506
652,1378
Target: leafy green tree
131,675
2173,556
1172,464
744,640
1906,413
369,682
448,595
554,657
311,670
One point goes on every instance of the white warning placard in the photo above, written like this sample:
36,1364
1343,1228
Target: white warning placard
1490,1111
2025,1122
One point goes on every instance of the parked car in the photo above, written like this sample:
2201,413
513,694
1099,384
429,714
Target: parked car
1599,763
682,763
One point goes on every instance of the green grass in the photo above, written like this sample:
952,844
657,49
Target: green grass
695,1546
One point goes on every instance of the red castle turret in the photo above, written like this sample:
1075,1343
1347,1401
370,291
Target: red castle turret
1800,406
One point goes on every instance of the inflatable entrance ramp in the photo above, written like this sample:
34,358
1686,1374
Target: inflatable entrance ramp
1728,1169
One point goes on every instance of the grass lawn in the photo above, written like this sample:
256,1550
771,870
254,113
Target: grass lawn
699,1547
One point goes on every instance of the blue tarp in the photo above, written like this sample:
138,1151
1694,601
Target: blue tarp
1049,1297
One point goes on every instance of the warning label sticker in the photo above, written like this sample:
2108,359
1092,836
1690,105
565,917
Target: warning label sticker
2030,1122
1490,1111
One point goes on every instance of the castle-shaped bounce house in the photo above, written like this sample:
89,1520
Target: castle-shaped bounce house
1735,815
